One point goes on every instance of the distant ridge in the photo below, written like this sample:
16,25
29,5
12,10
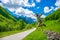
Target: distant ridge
10,15
54,16
6,14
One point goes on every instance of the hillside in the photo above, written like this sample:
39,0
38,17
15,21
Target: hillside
53,16
9,22
13,16
52,22
6,14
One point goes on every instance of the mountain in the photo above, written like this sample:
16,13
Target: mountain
8,22
23,17
6,14
10,15
26,19
29,20
54,16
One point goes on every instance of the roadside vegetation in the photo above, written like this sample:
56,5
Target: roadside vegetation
10,25
8,33
52,22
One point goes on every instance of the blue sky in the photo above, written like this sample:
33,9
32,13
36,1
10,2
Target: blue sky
30,7
42,4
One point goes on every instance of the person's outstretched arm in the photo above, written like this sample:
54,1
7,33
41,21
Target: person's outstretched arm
41,14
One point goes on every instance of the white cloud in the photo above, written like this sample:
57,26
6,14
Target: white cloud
12,5
1,4
16,6
56,8
5,1
38,0
26,3
43,16
18,3
11,9
21,11
46,9
33,4
37,7
57,3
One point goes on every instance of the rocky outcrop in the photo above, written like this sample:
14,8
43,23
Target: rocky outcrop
52,35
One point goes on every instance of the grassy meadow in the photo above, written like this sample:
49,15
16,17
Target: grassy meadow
40,34
52,22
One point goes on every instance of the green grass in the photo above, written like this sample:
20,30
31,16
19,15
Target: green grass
8,33
36,35
3,34
40,35
53,26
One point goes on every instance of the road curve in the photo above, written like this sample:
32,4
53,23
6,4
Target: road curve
18,36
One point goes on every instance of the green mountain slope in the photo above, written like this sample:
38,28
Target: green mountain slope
54,16
6,14
2,18
52,23
8,22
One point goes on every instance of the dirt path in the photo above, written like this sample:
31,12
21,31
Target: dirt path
18,36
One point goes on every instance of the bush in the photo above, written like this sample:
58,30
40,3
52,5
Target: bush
28,26
53,16
3,27
11,25
58,21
